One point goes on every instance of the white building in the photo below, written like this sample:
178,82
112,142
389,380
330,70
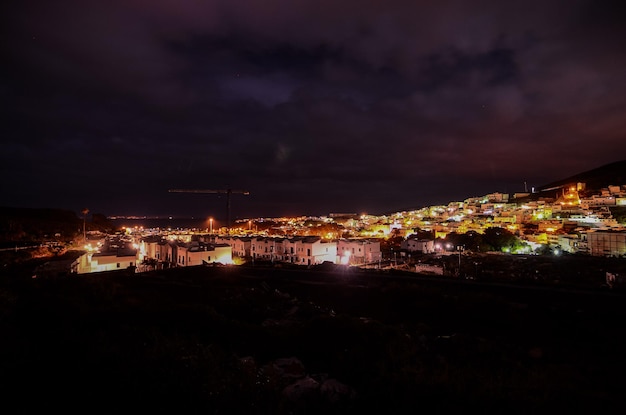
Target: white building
195,253
424,246
266,248
358,251
241,246
598,200
314,251
569,243
309,250
105,261
164,251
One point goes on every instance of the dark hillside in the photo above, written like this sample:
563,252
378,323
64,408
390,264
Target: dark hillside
609,174
26,224
267,341
34,225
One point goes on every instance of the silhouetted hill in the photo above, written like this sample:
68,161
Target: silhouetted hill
32,225
27,224
609,174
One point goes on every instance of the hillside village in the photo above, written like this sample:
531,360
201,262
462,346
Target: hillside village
564,219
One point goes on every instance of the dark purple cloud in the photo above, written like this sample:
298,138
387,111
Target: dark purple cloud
316,107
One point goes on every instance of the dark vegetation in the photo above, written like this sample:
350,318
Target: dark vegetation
28,225
619,214
20,226
260,340
492,239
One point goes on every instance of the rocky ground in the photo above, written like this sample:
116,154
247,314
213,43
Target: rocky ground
260,340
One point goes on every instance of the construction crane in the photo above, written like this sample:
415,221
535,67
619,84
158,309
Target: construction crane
227,192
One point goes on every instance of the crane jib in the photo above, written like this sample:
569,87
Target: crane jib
228,192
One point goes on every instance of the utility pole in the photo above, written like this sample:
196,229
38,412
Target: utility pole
85,212
227,192
460,249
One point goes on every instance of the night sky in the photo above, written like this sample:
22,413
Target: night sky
312,106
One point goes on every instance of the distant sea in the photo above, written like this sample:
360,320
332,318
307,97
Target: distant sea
163,223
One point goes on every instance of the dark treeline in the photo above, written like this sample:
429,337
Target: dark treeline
23,225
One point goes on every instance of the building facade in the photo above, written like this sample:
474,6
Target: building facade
607,243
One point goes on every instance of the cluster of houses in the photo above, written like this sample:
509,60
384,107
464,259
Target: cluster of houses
158,252
305,250
594,242
573,219
152,252
568,217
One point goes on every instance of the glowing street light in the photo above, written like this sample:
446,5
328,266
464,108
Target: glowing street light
211,225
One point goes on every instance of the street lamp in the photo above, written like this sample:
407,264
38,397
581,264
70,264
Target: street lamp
211,225
460,249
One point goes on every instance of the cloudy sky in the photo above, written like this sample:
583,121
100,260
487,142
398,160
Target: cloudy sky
312,106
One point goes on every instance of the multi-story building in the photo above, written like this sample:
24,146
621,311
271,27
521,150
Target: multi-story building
105,261
598,200
196,253
358,251
266,248
159,248
607,243
309,250
425,246
241,246
568,243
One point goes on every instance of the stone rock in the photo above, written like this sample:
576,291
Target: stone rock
535,353
303,389
290,367
334,391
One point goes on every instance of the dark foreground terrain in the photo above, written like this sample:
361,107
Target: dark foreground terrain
264,341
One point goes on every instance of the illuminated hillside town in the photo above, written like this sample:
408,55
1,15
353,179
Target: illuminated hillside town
564,219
